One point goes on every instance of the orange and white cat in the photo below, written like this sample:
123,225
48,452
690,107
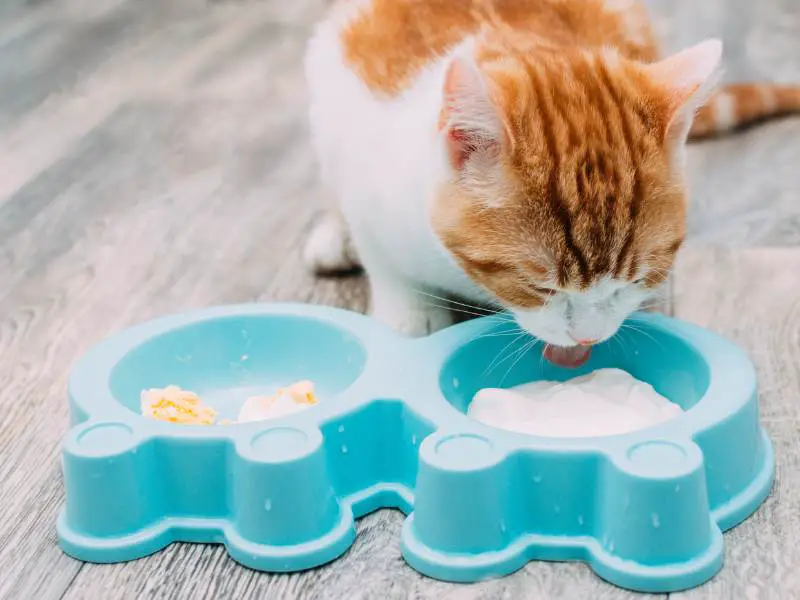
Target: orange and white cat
526,154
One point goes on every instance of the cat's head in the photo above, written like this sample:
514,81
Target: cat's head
567,198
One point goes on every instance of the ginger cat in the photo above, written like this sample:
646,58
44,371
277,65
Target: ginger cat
522,154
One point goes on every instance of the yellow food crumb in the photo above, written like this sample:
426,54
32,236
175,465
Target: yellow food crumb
174,405
301,392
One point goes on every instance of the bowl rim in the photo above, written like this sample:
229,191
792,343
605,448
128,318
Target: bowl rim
732,378
89,382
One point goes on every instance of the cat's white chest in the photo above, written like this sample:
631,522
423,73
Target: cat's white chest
383,160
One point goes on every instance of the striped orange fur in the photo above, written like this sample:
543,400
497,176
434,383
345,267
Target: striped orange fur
587,193
741,104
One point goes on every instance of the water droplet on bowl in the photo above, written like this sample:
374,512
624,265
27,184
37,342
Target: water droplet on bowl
456,382
677,488
610,545
244,357
537,479
340,429
580,520
268,504
556,508
502,526
414,440
344,449
655,520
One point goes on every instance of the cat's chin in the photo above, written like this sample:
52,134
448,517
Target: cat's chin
569,357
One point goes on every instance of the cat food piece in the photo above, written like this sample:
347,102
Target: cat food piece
605,402
174,405
294,398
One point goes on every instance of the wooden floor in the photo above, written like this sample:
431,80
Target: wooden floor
154,158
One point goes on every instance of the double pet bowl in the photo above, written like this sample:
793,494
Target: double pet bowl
645,510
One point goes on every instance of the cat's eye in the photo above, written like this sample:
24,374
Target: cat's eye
640,281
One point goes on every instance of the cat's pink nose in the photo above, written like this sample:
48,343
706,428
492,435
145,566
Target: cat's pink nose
586,342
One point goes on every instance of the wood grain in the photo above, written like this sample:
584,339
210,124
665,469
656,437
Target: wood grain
154,157
753,298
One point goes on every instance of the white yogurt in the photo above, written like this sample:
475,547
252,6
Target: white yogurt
605,402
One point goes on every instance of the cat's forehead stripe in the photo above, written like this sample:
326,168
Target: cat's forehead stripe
558,205
608,235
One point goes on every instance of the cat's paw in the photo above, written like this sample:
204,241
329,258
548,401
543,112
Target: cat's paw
416,321
329,249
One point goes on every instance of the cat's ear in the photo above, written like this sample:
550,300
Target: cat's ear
687,79
469,119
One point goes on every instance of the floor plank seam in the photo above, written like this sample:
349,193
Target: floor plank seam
68,587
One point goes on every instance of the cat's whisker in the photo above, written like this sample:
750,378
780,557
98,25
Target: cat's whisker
462,304
516,331
468,309
614,338
645,333
517,353
531,344
492,364
621,340
473,313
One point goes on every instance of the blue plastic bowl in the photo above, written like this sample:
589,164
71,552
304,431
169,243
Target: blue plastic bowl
645,510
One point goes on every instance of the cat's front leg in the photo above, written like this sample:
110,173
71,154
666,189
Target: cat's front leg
329,249
403,307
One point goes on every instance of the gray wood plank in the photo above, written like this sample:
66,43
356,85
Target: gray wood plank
160,61
150,212
743,186
87,265
753,297
155,158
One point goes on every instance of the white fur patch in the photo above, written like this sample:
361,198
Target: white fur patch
725,111
383,160
328,249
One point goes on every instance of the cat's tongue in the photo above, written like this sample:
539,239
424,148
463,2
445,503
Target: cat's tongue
570,358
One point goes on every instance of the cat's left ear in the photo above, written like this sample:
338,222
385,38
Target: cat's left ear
469,118
687,79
